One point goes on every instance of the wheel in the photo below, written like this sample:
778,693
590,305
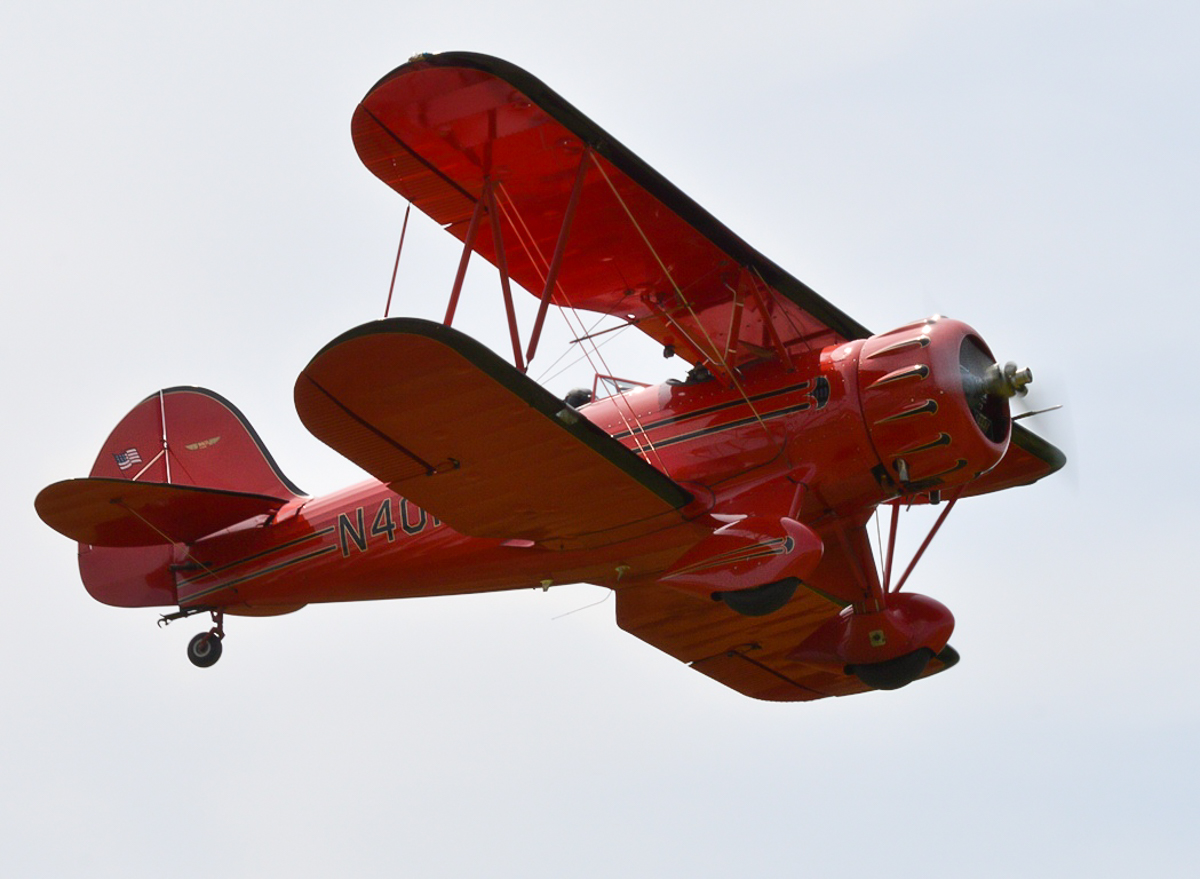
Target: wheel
204,649
759,601
893,673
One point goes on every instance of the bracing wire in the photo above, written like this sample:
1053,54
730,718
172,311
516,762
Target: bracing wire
608,594
719,357
567,350
578,359
538,260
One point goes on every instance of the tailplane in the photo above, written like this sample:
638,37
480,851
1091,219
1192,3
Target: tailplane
184,463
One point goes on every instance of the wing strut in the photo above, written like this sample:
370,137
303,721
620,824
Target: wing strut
396,268
468,244
559,250
784,357
538,258
928,539
485,205
489,192
735,320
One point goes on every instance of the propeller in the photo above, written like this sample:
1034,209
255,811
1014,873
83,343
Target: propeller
1057,429
993,391
989,386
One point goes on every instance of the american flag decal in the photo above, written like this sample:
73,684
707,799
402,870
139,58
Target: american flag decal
127,458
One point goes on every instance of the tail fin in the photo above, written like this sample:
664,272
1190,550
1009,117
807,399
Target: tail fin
195,459
191,436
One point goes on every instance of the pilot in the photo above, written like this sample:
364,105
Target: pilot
578,397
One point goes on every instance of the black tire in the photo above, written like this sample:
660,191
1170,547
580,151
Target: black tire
894,673
759,601
204,650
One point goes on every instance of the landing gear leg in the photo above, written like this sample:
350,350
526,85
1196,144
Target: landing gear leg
205,649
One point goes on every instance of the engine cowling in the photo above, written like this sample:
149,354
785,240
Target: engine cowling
934,403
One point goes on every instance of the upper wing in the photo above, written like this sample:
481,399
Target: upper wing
451,426
442,129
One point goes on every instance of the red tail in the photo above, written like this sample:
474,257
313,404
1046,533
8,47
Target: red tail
191,436
184,437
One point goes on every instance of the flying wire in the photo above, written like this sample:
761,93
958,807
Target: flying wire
567,350
644,446
544,378
606,597
167,537
718,357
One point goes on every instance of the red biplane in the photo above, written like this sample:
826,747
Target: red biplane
727,511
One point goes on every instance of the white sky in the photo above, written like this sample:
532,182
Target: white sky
180,203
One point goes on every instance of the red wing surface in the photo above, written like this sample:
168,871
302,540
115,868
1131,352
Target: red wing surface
748,654
751,654
451,426
444,129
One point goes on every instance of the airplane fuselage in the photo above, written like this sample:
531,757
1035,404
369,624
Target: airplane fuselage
782,440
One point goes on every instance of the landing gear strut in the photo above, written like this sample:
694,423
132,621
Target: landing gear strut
205,649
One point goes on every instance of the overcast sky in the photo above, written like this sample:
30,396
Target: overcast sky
180,203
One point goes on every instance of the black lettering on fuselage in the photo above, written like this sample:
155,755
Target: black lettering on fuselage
347,530
384,523
353,533
411,527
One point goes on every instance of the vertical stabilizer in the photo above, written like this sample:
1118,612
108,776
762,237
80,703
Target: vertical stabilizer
191,436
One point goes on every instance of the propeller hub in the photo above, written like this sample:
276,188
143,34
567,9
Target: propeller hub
1006,381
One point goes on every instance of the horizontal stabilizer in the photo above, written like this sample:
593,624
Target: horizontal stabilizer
119,512
451,426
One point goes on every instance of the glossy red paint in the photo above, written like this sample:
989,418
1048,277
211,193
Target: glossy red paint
727,512
922,429
747,553
908,623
